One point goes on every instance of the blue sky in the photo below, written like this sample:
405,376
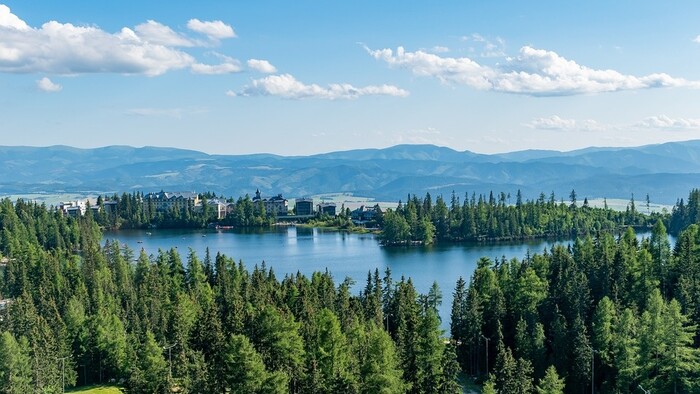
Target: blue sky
308,77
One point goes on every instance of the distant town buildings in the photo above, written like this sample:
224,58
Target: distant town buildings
277,205
304,206
73,208
110,206
163,202
77,208
326,208
365,214
220,208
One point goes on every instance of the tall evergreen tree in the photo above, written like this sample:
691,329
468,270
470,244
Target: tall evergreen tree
626,350
277,339
581,357
450,371
551,383
15,365
380,371
429,353
459,321
243,368
330,356
151,373
680,364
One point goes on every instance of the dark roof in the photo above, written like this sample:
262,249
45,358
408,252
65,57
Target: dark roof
170,195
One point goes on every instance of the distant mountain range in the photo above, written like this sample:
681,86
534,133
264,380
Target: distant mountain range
666,171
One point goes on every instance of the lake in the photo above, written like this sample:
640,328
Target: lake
291,249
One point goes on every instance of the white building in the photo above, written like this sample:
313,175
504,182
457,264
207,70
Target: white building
73,208
163,202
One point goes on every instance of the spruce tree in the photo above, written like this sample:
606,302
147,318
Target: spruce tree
551,383
243,368
429,353
450,371
626,350
679,369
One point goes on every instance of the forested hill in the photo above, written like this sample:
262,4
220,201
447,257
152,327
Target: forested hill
629,308
664,172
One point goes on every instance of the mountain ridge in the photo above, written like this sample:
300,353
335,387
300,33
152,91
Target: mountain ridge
665,172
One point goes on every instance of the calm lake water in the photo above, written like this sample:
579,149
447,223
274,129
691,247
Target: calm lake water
291,249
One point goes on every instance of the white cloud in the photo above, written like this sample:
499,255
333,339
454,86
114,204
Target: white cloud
665,122
697,39
286,86
149,49
47,85
215,69
215,30
533,72
560,124
156,33
440,49
657,123
461,70
227,66
10,20
262,66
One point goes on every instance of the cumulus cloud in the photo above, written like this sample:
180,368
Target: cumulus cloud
665,122
47,85
10,20
533,72
288,87
215,30
262,66
150,48
560,124
157,33
439,49
461,70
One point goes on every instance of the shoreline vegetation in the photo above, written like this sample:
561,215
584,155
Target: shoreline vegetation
419,221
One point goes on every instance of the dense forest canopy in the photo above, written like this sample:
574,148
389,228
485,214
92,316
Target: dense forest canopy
493,218
626,309
608,310
108,313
